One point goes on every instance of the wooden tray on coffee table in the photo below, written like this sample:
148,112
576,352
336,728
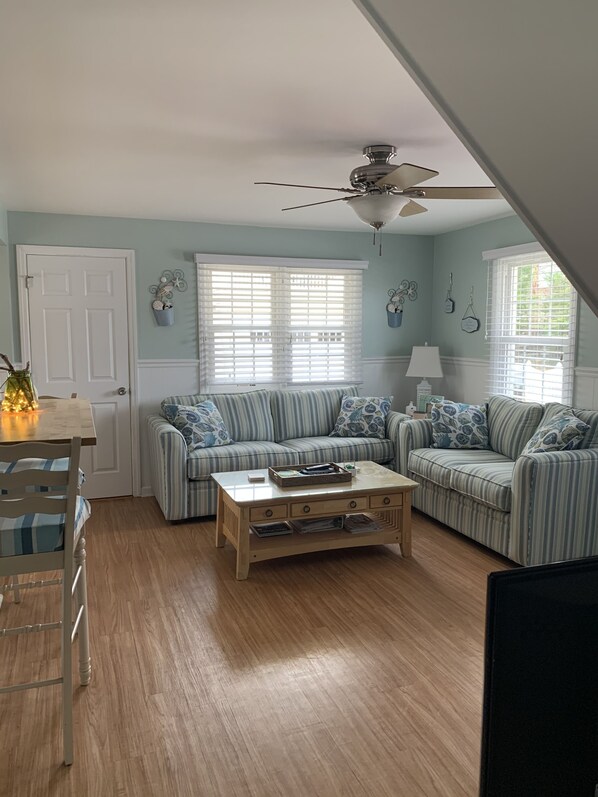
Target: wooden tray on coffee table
277,472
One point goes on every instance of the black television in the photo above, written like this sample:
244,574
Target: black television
540,711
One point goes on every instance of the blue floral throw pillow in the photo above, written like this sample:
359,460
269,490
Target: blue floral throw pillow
456,425
362,417
201,426
563,432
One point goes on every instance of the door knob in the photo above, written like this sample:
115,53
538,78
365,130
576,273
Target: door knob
122,391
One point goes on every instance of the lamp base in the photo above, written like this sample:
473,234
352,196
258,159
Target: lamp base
423,389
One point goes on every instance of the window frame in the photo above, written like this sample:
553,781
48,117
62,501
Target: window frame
500,375
280,325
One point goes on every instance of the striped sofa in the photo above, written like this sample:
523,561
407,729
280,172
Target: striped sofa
269,428
532,508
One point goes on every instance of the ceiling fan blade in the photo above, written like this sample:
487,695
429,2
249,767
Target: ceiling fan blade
412,208
406,176
462,192
325,202
319,187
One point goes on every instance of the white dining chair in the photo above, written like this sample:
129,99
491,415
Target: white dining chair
42,518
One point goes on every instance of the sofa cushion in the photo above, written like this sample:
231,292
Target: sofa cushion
437,464
306,413
590,417
562,432
457,425
311,450
511,423
362,416
247,416
201,425
486,482
238,456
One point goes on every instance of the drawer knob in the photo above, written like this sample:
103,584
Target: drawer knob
386,501
306,508
352,504
268,513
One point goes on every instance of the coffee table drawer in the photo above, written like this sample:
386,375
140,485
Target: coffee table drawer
382,501
268,512
331,506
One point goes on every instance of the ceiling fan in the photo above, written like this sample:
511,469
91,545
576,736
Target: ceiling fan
382,191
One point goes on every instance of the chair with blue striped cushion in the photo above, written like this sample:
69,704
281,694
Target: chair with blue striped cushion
44,464
42,517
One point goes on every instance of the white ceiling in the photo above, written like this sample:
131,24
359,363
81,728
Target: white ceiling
172,110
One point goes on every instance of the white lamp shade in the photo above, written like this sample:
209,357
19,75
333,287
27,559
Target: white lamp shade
378,208
425,361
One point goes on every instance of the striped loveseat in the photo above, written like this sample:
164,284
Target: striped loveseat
269,428
532,508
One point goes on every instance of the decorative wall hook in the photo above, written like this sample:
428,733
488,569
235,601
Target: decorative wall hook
449,304
394,309
470,322
162,304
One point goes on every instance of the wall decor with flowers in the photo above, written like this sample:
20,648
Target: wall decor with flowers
394,309
163,291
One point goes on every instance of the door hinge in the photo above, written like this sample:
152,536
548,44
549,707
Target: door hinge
27,278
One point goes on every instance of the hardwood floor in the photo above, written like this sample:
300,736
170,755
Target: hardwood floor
352,672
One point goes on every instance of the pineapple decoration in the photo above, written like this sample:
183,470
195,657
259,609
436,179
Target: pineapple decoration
19,393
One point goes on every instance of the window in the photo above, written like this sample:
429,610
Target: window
275,321
531,315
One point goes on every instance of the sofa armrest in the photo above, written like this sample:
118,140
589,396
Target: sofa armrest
168,467
555,506
393,423
413,434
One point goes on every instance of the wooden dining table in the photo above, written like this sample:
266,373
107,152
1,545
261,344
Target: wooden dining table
56,421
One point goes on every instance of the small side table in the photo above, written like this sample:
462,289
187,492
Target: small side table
417,416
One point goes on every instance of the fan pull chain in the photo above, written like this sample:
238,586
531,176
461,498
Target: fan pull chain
377,232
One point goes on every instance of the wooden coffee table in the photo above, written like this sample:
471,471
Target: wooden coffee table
374,490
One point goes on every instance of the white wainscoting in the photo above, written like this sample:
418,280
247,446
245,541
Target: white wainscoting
586,388
156,380
385,376
465,379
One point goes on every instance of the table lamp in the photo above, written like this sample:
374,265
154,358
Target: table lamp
425,362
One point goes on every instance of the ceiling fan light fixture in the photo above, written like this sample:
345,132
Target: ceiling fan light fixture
378,209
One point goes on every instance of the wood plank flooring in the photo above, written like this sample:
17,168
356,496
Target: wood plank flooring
354,673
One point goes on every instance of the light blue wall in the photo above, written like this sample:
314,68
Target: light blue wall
461,253
3,225
170,244
5,312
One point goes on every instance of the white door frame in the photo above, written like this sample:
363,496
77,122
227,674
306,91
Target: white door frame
23,250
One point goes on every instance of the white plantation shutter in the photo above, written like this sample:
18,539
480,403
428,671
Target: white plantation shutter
269,324
531,319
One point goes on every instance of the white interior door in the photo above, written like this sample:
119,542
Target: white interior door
79,342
